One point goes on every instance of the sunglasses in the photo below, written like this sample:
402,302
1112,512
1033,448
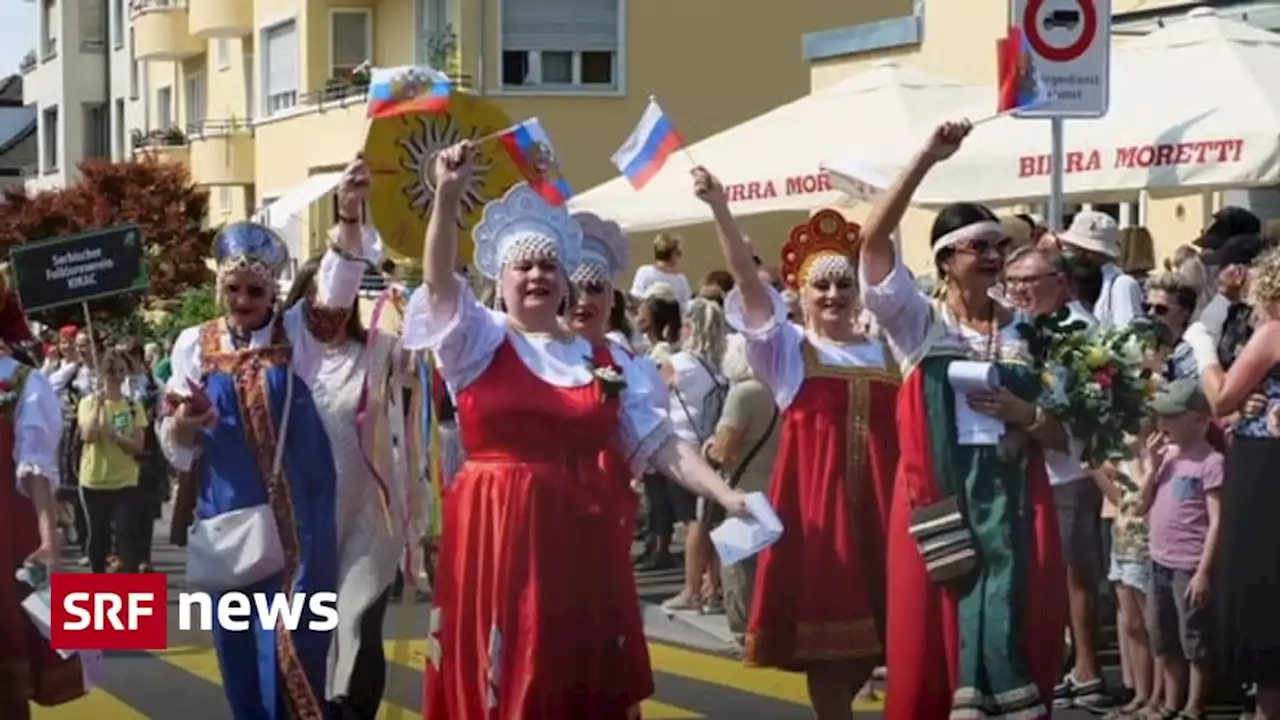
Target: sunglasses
1156,309
985,246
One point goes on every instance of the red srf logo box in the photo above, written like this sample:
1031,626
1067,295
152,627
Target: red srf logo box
108,612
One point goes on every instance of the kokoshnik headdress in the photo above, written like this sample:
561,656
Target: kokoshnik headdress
824,247
521,226
604,250
249,246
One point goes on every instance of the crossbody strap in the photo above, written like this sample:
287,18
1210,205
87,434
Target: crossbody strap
284,422
747,459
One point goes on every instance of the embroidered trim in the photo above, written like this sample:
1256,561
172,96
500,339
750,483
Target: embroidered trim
814,642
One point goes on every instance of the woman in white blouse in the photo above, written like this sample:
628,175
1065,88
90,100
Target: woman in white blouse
976,581
30,425
694,376
818,606
515,632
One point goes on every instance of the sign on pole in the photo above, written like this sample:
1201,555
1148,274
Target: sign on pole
1068,43
74,270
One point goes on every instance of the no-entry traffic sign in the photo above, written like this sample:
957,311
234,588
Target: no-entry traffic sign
1069,46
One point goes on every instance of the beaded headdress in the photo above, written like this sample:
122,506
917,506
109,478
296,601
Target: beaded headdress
249,246
523,226
824,247
604,250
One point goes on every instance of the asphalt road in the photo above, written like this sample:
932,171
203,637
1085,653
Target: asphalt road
183,682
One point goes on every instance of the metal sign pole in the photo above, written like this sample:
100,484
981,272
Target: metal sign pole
1056,167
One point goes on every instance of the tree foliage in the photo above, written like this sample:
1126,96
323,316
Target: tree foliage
157,196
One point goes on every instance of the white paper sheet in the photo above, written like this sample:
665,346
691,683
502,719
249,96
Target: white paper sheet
739,538
972,427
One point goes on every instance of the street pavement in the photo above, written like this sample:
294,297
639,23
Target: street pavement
696,671
694,675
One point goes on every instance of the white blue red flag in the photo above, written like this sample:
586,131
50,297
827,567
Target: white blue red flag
407,90
530,148
650,144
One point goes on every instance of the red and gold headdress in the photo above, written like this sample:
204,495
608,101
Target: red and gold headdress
825,245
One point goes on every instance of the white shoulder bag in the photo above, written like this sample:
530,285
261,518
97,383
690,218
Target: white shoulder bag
239,548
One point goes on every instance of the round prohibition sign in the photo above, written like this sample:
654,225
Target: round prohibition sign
1088,10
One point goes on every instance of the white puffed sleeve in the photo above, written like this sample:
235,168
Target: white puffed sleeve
773,349
464,343
900,309
184,362
37,430
642,423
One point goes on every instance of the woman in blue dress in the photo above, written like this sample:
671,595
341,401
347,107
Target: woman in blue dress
227,396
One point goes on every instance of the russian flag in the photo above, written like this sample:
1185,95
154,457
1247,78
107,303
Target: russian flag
1020,85
406,90
530,148
650,144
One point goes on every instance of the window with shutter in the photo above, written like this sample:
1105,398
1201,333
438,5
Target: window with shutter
350,40
280,67
561,44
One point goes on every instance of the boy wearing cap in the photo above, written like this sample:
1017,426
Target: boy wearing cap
1182,494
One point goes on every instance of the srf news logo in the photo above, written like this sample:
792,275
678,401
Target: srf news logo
130,611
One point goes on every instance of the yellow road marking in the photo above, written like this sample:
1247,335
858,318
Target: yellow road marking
98,703
203,663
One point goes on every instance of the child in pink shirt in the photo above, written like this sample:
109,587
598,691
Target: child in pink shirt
1182,494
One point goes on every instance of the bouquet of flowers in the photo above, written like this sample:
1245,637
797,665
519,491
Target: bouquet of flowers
1094,383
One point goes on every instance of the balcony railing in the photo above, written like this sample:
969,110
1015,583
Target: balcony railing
170,137
49,48
28,62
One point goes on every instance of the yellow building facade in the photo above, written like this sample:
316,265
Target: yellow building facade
257,86
957,40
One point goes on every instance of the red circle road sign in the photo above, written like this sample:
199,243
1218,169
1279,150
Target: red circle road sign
1031,29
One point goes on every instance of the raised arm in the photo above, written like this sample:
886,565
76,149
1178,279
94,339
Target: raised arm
440,252
878,255
756,302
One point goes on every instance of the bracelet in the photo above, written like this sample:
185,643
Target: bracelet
1037,419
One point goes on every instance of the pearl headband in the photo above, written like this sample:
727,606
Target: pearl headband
825,266
965,234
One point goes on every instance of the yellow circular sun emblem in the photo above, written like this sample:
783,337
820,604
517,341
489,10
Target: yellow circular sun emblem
400,153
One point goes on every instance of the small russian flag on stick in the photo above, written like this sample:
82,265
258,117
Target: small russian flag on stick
530,148
407,90
647,149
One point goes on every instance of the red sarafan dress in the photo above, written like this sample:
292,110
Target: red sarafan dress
819,592
29,670
536,613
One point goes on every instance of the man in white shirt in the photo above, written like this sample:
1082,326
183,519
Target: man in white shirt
1039,282
1095,237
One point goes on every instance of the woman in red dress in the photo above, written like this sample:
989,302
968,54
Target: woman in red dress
528,623
819,602
30,426
976,582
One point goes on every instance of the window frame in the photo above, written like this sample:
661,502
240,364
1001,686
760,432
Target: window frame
200,80
161,107
367,12
222,53
47,166
264,108
575,88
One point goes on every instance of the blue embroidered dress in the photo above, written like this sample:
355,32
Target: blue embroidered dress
271,673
